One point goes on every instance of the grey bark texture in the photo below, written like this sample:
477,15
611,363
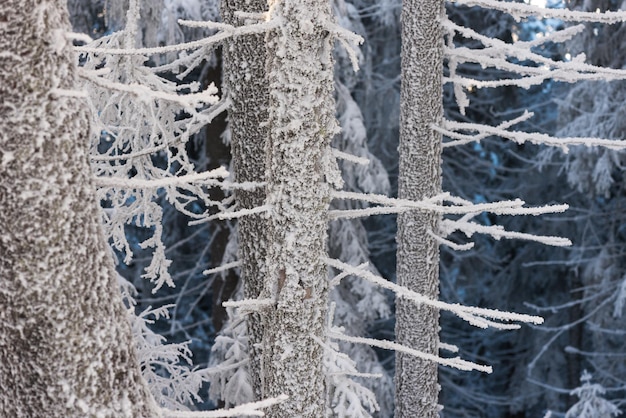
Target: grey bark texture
66,348
301,125
419,177
246,85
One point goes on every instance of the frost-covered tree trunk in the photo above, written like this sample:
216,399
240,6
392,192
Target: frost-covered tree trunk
65,343
419,178
244,78
301,124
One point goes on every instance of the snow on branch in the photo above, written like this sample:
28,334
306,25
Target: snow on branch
248,305
233,214
522,10
248,409
461,139
222,268
453,130
337,279
479,317
134,183
349,157
448,347
448,226
188,101
436,204
141,123
457,247
455,362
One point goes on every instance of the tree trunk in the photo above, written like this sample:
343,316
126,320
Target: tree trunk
301,124
246,83
419,177
65,343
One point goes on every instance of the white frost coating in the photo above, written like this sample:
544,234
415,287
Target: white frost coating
461,139
65,344
227,32
497,232
222,268
347,398
133,183
514,58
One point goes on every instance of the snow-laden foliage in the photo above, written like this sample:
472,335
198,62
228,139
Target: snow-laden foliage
595,109
591,403
141,126
347,397
229,376
166,367
138,147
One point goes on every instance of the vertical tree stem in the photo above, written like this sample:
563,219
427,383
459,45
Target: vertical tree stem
419,177
301,122
248,90
66,347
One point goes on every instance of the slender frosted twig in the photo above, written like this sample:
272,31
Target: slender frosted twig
222,268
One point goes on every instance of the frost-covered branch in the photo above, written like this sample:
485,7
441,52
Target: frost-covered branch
479,317
349,157
461,139
453,130
455,362
248,409
222,268
523,10
133,183
436,204
448,226
513,57
227,31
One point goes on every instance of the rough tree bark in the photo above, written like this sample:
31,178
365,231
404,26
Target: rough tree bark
301,124
246,84
419,177
65,343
